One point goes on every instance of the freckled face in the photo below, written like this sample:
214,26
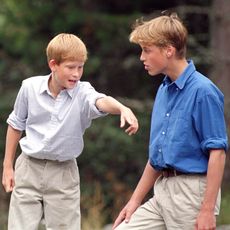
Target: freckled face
67,74
154,59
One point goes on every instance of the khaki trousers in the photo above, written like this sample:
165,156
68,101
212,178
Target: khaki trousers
45,189
174,206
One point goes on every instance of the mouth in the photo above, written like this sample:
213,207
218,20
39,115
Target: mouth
73,81
146,67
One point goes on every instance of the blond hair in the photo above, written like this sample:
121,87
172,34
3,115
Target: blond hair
66,47
161,31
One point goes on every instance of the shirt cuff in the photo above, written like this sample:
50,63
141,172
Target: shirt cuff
214,144
16,122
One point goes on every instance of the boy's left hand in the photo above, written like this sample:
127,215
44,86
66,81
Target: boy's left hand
127,116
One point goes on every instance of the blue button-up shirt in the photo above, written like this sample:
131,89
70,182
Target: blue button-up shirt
187,121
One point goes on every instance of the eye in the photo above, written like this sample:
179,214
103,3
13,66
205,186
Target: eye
71,66
146,50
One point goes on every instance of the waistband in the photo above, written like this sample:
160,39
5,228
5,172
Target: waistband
46,160
168,172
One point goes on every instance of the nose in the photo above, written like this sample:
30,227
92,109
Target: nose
77,74
142,57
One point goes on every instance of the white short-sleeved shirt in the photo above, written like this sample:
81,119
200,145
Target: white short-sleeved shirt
54,127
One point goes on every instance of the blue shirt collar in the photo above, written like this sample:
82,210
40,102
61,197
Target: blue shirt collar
181,80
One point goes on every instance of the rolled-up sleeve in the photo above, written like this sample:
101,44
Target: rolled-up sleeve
17,118
210,123
214,144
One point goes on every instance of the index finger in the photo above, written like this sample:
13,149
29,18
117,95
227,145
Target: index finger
119,219
131,130
9,186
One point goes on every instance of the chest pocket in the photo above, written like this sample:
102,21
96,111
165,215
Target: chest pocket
179,126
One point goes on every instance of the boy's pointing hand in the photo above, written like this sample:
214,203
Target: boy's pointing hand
127,116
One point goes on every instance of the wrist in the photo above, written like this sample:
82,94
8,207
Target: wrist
136,199
7,164
207,208
123,108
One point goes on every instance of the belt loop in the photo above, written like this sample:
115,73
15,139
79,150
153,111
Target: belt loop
175,173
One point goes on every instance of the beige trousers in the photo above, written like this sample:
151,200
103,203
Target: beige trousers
45,189
174,206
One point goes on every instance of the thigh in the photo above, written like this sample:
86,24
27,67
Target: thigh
25,210
62,197
146,217
180,198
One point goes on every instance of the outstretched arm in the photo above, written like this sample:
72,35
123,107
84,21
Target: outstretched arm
12,138
146,182
110,105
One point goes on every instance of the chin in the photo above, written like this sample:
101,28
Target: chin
152,73
71,86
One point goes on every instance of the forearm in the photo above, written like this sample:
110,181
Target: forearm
12,138
109,105
146,183
214,178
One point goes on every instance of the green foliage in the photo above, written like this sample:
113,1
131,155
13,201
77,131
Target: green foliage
93,209
113,65
5,107
224,217
110,157
113,158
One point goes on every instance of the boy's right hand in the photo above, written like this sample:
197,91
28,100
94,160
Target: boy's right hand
126,213
8,179
127,116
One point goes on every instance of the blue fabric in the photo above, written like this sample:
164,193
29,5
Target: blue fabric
187,121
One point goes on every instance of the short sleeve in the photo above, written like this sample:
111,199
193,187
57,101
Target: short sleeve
88,96
17,118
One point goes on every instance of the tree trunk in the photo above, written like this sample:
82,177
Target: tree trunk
220,36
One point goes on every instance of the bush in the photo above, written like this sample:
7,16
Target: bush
113,159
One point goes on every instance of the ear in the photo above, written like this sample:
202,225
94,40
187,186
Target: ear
170,51
52,64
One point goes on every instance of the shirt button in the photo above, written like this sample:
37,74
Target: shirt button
163,133
167,114
159,150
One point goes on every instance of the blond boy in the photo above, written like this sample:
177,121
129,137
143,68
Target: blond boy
54,111
188,137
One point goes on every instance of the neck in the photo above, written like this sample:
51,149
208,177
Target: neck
176,68
53,87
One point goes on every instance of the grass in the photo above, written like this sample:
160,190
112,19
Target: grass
224,217
3,220
93,213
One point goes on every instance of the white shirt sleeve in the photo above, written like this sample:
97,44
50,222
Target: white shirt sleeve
17,118
88,99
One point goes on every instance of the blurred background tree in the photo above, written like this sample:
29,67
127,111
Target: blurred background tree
110,158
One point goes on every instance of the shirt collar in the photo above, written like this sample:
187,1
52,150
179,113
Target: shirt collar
44,87
181,80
